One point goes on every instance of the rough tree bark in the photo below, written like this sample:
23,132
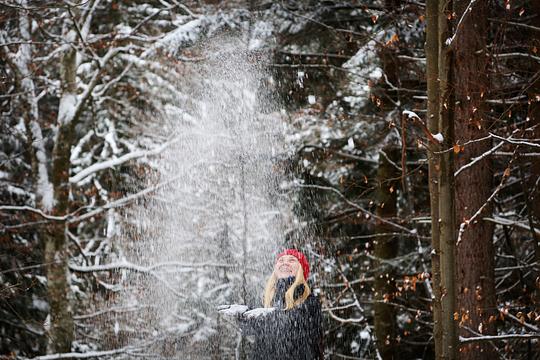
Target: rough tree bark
432,76
475,254
447,226
534,120
385,249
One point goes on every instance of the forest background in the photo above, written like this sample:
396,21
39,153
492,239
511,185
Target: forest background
408,173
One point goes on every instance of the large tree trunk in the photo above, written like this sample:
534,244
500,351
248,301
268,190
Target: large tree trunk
447,227
61,317
386,248
475,254
432,76
532,185
533,194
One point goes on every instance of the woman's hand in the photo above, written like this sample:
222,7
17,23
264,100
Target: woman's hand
232,310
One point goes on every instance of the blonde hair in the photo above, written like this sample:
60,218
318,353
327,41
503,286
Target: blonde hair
290,302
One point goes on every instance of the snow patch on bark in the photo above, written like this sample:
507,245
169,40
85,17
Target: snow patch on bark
67,108
439,137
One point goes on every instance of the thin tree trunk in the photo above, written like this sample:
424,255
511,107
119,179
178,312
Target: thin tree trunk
61,317
386,248
243,346
447,227
475,253
432,76
24,79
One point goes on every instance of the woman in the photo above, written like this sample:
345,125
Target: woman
289,326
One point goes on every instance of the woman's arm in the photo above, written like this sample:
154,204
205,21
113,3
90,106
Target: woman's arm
305,316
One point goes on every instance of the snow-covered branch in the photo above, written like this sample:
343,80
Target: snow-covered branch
145,269
117,161
464,340
96,77
339,153
513,141
124,265
122,201
188,265
517,54
115,310
87,19
507,222
467,11
346,320
510,140
433,138
506,22
523,323
34,210
88,355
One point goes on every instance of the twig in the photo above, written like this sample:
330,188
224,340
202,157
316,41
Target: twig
125,266
468,10
122,202
479,158
466,223
358,207
530,27
34,210
507,222
523,323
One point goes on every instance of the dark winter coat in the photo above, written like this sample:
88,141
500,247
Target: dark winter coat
294,334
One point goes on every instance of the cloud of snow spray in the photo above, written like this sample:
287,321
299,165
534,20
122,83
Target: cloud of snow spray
210,235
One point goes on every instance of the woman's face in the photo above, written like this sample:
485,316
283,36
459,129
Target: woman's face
286,266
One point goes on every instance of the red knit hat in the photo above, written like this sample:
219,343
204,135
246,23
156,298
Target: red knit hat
301,258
